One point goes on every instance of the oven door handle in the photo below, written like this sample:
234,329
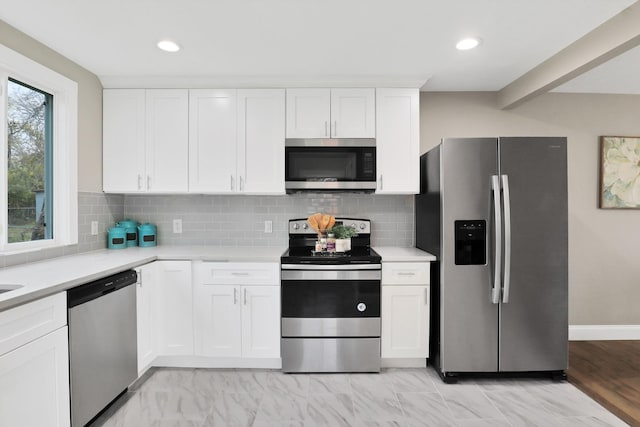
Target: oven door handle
332,267
299,277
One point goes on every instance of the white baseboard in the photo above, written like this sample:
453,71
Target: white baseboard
403,362
216,362
603,332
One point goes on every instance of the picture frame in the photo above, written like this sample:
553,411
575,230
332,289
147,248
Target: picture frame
619,172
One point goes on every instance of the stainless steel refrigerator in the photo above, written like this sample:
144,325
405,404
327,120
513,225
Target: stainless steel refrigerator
494,212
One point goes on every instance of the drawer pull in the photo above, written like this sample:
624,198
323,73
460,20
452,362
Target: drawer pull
235,273
401,273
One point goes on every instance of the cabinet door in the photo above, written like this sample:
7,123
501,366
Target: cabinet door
308,113
123,140
261,141
175,309
261,321
167,140
398,141
405,321
34,380
217,320
353,113
212,141
146,295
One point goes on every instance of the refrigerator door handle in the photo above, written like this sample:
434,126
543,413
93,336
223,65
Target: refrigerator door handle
507,238
495,189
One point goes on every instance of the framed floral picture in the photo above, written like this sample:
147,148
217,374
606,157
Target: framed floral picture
619,172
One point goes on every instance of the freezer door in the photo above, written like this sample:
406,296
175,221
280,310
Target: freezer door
468,318
534,321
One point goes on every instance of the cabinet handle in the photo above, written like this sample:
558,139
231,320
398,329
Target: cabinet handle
236,273
231,182
139,277
326,133
245,296
139,182
335,128
426,296
380,182
148,182
235,296
241,183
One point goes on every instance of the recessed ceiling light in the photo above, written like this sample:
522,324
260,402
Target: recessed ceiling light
466,44
168,46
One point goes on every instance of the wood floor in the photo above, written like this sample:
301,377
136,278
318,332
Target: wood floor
609,372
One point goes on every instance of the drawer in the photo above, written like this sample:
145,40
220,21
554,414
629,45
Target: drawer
405,273
237,273
31,321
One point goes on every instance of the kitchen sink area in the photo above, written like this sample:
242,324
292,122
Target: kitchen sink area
8,288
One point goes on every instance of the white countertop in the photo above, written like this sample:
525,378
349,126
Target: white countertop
43,278
39,279
397,254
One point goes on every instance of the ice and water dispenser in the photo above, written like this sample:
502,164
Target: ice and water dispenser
471,242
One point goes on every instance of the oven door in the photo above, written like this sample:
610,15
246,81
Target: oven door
310,164
331,303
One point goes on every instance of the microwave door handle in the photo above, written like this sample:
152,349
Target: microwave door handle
497,218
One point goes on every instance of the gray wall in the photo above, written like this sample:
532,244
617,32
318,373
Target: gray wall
604,271
239,220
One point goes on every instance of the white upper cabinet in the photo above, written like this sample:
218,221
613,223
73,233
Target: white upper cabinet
145,140
212,141
167,141
331,113
261,116
236,141
308,113
353,113
398,141
123,155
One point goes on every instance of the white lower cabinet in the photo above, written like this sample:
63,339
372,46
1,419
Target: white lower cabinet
174,310
146,301
34,375
405,310
237,310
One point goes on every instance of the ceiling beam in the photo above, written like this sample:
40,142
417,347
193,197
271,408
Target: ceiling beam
617,35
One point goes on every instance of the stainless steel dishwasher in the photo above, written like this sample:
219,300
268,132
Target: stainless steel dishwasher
102,343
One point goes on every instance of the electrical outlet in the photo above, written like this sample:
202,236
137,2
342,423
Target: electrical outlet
268,226
177,226
94,228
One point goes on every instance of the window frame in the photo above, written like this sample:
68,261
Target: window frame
65,149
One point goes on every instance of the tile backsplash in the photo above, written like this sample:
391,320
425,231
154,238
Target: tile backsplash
229,220
239,220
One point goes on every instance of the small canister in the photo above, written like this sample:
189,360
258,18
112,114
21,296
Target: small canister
117,238
147,235
131,227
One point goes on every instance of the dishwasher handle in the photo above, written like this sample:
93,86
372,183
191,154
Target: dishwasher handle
92,290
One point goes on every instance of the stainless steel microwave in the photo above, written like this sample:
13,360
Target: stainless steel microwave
330,164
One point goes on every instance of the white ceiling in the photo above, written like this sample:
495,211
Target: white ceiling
320,42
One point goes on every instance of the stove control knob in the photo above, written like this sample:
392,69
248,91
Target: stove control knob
296,226
353,225
361,307
305,226
362,226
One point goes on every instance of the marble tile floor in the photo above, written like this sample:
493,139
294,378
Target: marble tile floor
396,397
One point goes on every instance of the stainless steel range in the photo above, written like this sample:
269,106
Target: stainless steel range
330,303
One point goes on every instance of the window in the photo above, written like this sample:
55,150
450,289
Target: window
38,172
29,181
